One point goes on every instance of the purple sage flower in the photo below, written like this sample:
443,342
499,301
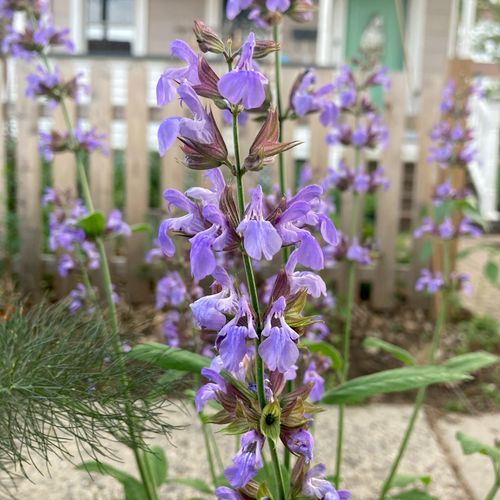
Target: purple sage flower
300,442
316,486
311,375
247,461
279,350
244,84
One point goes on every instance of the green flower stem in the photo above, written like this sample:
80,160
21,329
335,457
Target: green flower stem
211,466
421,394
252,287
215,447
279,103
134,432
496,486
346,340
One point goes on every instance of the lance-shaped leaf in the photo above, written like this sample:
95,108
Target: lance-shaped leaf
471,361
471,445
169,357
394,350
398,380
266,144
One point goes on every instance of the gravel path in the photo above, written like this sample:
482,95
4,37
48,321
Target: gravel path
372,436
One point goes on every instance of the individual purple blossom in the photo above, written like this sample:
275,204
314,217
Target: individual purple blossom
300,442
244,84
279,350
170,290
467,227
361,181
42,81
225,493
427,227
311,375
197,128
247,461
49,196
171,328
317,487
234,7
304,280
260,237
210,310
358,253
78,297
232,338
90,140
209,391
380,77
317,331
446,229
65,265
278,5
461,282
93,258
116,225
448,100
430,282
165,88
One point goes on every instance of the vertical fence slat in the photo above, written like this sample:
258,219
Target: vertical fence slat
389,203
136,175
64,165
28,187
101,116
3,162
425,175
319,149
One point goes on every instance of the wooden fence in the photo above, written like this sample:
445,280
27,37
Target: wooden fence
400,207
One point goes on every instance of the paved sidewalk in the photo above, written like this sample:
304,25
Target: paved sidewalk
373,433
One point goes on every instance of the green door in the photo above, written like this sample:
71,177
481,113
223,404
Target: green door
376,21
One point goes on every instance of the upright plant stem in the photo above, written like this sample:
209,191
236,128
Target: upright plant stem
421,394
496,486
346,340
211,466
281,163
279,104
134,433
252,287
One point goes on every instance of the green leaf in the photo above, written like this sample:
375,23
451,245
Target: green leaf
403,480
471,361
169,357
197,484
93,224
395,351
326,349
414,495
158,465
141,228
397,380
471,445
134,490
490,271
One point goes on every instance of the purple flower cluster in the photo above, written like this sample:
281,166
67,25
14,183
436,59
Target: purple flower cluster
266,13
78,140
350,250
69,240
445,192
452,138
434,282
358,180
447,230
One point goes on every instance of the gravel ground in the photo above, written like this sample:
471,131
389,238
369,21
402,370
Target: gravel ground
372,436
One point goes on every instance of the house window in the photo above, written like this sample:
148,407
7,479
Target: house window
110,26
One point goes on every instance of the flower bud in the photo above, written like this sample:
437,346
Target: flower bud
264,47
208,40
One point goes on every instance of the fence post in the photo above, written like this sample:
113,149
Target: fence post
101,116
424,178
389,203
28,187
136,176
64,164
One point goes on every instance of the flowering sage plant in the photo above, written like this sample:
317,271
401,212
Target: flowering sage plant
257,336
